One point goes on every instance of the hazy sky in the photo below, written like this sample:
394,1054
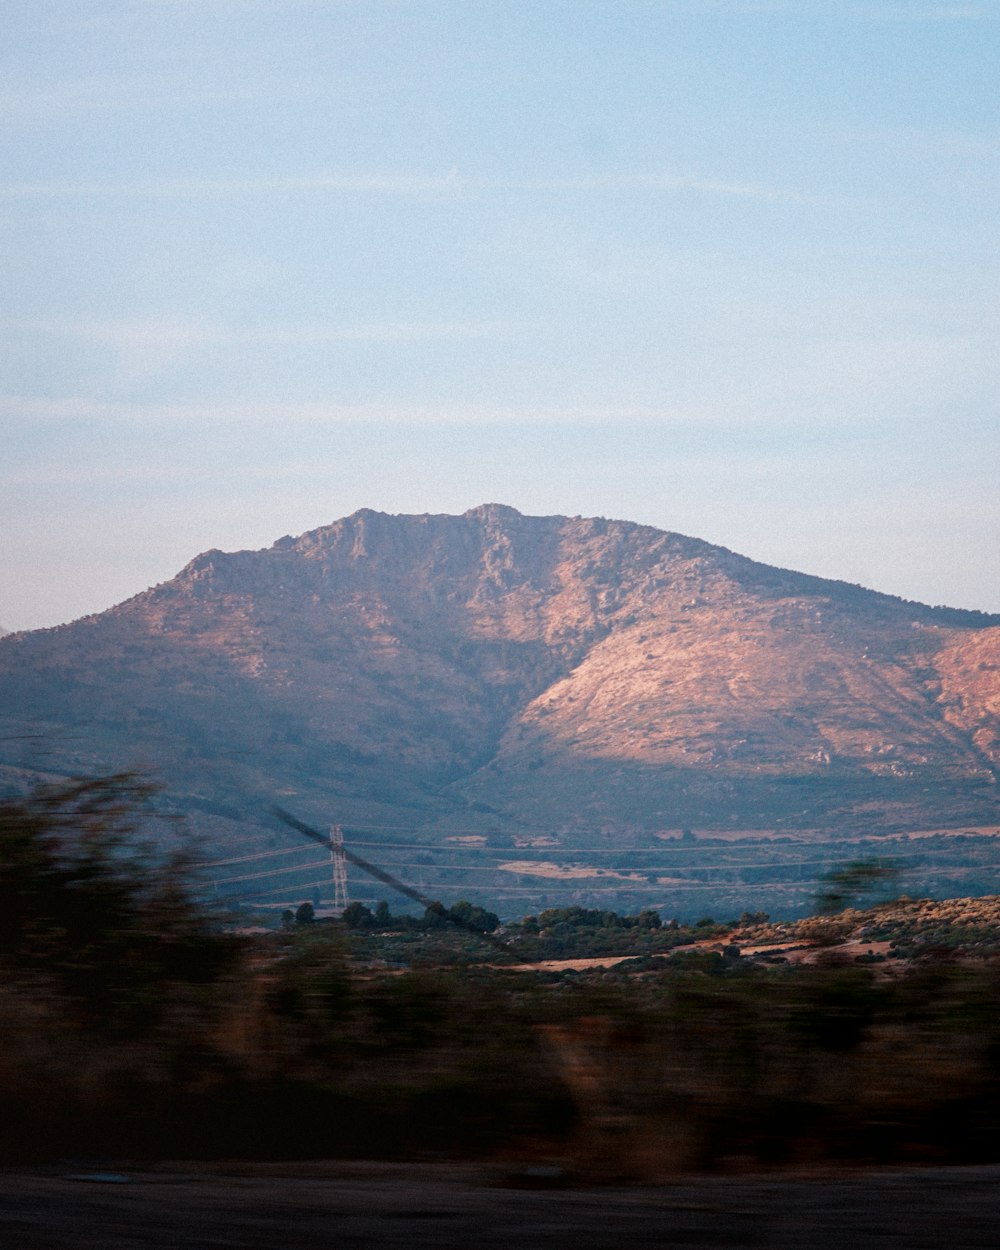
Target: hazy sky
728,268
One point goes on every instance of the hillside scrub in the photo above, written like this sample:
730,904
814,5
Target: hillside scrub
132,1026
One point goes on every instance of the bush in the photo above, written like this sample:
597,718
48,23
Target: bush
83,901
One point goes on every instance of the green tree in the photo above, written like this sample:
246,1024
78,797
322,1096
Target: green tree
357,916
471,916
435,916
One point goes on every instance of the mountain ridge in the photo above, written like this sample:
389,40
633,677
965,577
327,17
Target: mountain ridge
499,671
958,616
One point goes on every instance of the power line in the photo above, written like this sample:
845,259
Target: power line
269,894
626,873
271,872
703,846
244,859
548,889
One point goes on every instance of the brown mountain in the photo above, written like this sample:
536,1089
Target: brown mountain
496,671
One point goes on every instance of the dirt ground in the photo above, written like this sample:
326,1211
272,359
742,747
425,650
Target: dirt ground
455,1207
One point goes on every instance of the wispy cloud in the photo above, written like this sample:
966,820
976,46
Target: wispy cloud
81,409
847,10
666,182
179,335
418,185
111,94
393,184
924,143
926,12
144,349
830,385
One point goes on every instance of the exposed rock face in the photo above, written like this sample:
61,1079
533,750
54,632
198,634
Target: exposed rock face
492,669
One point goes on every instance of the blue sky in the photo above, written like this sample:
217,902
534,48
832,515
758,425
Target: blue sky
728,268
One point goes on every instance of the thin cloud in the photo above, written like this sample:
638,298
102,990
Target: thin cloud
142,350
724,407
666,182
198,188
922,142
31,410
115,94
180,335
451,184
926,13
870,11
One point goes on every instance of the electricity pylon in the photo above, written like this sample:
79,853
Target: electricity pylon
340,899
381,875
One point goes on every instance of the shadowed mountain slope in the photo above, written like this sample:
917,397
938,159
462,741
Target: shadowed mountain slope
493,670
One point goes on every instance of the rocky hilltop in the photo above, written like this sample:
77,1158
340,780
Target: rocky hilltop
493,671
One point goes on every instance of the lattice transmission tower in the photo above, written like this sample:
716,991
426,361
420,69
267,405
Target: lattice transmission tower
340,899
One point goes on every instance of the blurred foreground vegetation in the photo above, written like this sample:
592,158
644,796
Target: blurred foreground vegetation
133,1025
